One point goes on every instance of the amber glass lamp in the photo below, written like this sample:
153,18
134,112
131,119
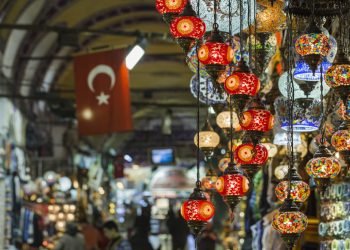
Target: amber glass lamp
223,121
208,140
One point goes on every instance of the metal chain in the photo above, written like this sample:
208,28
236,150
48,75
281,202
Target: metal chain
198,183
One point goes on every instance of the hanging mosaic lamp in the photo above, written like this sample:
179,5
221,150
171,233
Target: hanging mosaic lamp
223,121
300,190
256,121
251,157
209,181
208,140
170,8
338,76
224,161
232,186
197,211
215,54
242,84
312,46
341,142
323,167
270,20
187,28
289,222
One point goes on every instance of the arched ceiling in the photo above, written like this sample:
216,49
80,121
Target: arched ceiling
34,59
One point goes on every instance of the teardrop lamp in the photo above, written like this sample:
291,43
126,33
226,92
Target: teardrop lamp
187,28
170,8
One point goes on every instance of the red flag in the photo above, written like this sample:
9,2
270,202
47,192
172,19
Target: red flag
102,93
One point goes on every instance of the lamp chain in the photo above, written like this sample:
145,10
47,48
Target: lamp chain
241,27
198,183
250,33
231,130
323,115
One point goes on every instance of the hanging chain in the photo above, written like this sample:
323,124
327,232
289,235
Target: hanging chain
241,27
323,116
250,34
198,183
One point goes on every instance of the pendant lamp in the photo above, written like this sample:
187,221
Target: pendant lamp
170,8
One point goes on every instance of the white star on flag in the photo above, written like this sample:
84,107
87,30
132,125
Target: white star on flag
102,98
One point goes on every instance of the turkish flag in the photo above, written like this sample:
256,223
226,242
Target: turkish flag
102,93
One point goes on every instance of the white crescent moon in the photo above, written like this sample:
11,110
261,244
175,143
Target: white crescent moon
100,69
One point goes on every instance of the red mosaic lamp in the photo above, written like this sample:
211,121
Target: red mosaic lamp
209,181
187,28
251,157
323,167
312,46
215,53
289,222
197,211
300,190
242,84
170,8
256,120
232,186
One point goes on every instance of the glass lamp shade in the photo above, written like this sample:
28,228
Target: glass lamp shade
312,44
223,163
213,96
341,140
206,10
270,20
223,121
247,154
197,210
207,139
293,222
315,93
281,139
209,182
187,27
242,83
300,190
281,171
338,75
232,185
170,8
215,53
271,149
323,165
257,120
307,114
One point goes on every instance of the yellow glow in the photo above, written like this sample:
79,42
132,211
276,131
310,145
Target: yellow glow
87,114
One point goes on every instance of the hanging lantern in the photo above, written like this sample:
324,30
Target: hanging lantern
299,192
223,121
341,143
209,181
257,120
270,20
338,76
251,158
233,185
271,149
215,54
241,85
208,140
170,8
323,167
223,162
187,28
289,222
197,211
312,46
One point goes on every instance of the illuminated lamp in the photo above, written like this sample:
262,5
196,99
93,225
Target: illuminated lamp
312,46
271,149
338,76
215,54
306,111
223,121
341,142
187,28
302,89
256,120
323,167
300,190
241,85
289,222
251,158
170,8
281,171
232,186
281,139
197,211
304,73
223,162
208,140
270,20
209,181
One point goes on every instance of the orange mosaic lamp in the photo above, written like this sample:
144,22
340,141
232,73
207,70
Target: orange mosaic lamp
170,8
